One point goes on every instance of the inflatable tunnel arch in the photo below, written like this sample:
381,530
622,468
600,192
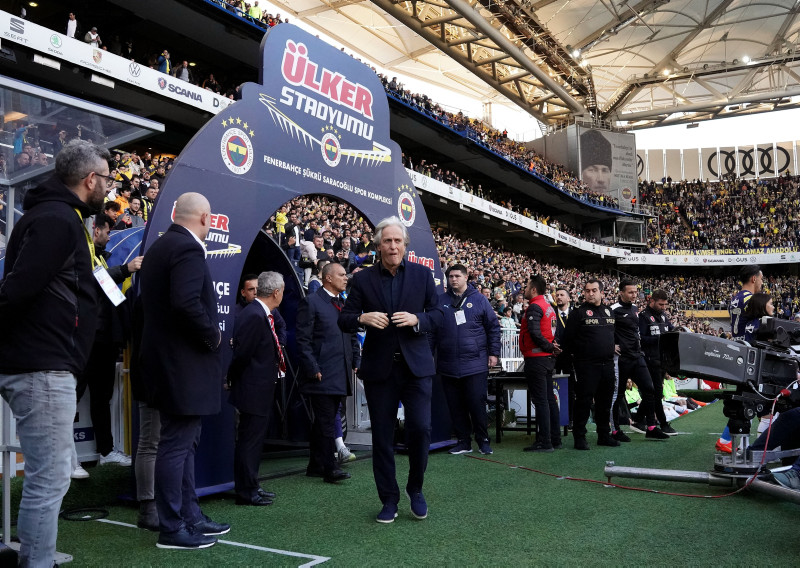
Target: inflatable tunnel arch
318,123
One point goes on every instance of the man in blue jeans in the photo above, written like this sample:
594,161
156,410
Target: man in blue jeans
48,310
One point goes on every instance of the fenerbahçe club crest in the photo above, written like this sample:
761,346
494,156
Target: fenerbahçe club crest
236,149
406,209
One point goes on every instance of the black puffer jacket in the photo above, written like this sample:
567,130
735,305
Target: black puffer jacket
48,295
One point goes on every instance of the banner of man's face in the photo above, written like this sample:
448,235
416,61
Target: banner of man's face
607,162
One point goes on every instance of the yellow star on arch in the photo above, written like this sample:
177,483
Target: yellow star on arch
238,120
253,134
245,126
225,123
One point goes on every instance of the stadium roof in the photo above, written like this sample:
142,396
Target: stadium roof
635,63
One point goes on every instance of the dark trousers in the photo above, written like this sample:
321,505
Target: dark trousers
539,374
176,499
635,369
593,381
785,432
466,400
250,434
99,376
566,369
657,375
323,432
382,400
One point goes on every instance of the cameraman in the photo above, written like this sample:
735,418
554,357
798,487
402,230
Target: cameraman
786,435
752,280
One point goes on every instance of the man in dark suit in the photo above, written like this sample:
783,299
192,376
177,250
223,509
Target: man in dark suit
328,357
181,367
564,360
396,301
254,371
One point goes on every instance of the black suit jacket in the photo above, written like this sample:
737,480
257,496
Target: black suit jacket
563,361
254,367
180,359
418,295
324,348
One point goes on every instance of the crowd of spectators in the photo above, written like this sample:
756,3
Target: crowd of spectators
432,170
498,273
156,57
745,214
252,12
499,143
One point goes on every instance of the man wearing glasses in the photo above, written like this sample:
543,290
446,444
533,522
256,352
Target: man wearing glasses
48,312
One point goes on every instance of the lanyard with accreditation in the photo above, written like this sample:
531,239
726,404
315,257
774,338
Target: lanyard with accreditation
100,269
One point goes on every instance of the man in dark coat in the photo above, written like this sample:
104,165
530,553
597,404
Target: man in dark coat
256,366
48,316
180,365
396,301
467,344
328,357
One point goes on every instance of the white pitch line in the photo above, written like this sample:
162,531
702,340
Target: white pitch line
313,557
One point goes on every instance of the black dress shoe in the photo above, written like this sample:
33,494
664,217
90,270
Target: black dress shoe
255,501
336,475
266,494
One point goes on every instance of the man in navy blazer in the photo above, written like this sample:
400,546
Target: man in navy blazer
396,301
328,357
256,366
180,365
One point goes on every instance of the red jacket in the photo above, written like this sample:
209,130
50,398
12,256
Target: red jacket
538,329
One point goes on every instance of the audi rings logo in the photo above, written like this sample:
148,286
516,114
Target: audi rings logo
134,69
747,163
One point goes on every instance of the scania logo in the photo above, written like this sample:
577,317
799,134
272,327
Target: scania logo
135,70
162,83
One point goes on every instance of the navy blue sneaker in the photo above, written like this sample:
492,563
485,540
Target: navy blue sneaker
185,539
209,528
419,508
461,448
388,514
486,449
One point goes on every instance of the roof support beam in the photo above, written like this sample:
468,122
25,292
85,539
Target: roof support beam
474,17
696,107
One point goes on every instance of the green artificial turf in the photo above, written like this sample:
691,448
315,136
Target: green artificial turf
482,513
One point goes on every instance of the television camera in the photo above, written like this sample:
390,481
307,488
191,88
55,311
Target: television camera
760,371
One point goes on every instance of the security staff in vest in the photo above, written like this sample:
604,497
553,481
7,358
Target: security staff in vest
589,338
631,365
467,345
536,342
653,323
328,358
564,360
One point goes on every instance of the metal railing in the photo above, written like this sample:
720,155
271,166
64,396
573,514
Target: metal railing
510,355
